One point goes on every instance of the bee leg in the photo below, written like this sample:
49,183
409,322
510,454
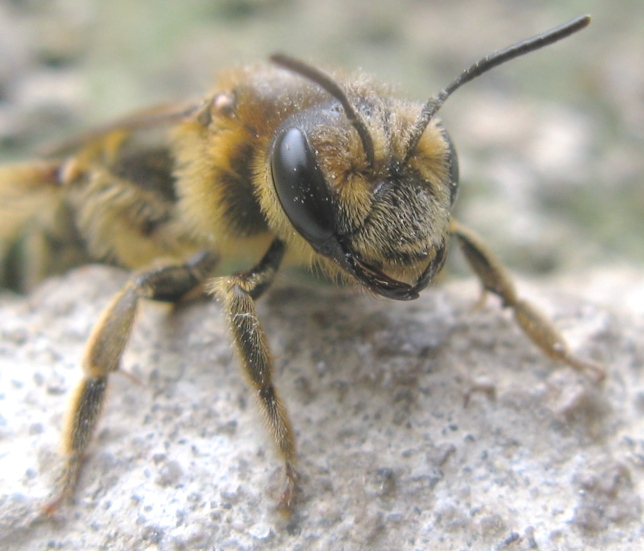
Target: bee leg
496,279
238,293
103,355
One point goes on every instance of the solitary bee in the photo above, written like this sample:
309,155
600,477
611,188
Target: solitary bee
281,160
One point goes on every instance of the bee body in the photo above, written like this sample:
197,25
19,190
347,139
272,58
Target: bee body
136,194
221,156
223,161
281,163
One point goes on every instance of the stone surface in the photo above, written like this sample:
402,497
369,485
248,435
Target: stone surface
420,425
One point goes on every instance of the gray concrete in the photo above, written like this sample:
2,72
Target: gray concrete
390,455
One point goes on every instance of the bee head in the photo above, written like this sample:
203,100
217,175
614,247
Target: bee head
382,219
381,213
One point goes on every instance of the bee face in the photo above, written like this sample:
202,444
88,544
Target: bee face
384,222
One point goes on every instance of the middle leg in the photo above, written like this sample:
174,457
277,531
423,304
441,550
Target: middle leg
103,356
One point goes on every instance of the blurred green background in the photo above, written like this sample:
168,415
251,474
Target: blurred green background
550,145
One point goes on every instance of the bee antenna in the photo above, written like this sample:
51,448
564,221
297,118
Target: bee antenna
327,83
485,64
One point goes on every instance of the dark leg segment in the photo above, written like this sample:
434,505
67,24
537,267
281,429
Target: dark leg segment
105,348
496,279
238,293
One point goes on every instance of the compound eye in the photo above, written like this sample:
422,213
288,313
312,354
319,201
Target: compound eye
302,190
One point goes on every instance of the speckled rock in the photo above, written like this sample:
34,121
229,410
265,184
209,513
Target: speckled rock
421,425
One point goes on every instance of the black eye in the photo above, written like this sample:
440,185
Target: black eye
302,190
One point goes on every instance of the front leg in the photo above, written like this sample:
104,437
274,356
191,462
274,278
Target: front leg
238,293
496,279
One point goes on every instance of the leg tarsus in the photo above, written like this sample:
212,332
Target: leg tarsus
292,490
543,333
66,484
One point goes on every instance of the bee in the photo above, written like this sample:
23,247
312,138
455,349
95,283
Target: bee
283,162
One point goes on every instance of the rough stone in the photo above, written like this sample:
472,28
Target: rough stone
397,451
